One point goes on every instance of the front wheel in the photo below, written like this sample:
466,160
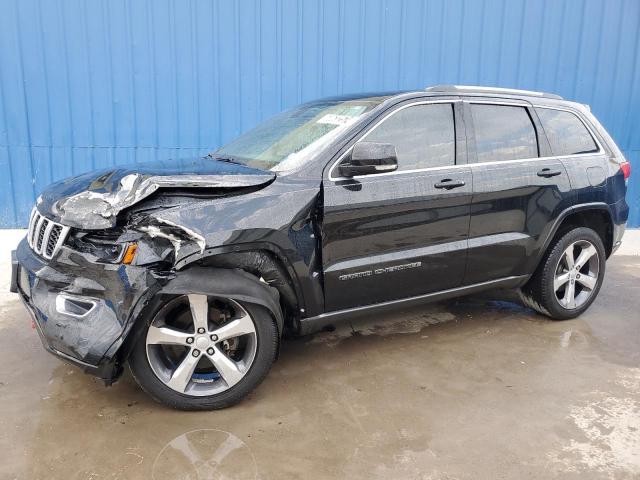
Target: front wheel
569,276
200,353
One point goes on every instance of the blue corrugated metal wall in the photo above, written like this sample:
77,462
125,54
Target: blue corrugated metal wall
87,84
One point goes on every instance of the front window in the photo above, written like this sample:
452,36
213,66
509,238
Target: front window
289,139
424,136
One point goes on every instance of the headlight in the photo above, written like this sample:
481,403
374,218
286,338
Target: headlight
103,246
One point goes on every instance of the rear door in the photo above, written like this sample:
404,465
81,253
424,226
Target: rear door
518,188
401,234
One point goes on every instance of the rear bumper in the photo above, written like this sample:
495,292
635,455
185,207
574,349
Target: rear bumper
82,311
619,213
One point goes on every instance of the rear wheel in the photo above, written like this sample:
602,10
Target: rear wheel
199,352
569,276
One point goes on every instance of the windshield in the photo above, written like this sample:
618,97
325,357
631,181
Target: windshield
289,139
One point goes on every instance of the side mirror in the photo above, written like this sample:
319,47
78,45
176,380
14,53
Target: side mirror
369,157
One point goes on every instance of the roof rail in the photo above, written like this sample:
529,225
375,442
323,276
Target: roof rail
490,90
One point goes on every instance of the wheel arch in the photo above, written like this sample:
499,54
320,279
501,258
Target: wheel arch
262,260
230,283
596,216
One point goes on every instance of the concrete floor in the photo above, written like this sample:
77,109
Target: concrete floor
471,389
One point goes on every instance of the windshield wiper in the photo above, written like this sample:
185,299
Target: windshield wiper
224,159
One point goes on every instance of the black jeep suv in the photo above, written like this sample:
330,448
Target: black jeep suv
191,270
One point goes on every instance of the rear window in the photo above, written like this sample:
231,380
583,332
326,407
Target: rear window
503,132
566,132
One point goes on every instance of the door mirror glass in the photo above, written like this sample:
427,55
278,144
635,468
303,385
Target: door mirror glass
370,157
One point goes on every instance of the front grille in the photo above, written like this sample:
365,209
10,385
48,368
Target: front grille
53,241
45,237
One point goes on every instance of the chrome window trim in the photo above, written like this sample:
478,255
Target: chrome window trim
522,103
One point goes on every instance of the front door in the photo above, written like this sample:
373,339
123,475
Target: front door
401,234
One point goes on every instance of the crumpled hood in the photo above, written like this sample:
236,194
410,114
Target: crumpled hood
93,200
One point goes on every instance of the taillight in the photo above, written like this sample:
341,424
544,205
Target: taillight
626,169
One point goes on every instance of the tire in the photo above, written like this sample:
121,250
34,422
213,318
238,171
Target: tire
168,345
548,293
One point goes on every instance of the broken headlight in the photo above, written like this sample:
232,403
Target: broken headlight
103,246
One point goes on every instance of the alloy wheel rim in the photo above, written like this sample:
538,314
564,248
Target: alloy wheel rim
576,274
200,346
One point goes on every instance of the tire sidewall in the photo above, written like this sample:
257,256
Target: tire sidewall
267,344
551,302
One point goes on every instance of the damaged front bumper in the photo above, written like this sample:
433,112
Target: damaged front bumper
83,311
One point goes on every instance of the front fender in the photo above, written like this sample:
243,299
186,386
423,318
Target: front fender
234,284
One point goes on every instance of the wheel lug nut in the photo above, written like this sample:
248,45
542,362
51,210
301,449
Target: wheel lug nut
196,353
210,351
201,330
189,340
214,337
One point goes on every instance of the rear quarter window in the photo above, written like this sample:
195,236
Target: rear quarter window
566,133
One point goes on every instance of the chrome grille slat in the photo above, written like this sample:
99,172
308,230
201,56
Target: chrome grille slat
32,218
42,231
32,234
36,233
45,237
52,241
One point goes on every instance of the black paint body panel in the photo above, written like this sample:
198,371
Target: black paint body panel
373,224
510,209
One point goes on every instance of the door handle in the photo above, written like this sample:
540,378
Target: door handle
449,183
548,173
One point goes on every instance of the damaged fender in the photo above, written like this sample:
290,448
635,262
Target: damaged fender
262,265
